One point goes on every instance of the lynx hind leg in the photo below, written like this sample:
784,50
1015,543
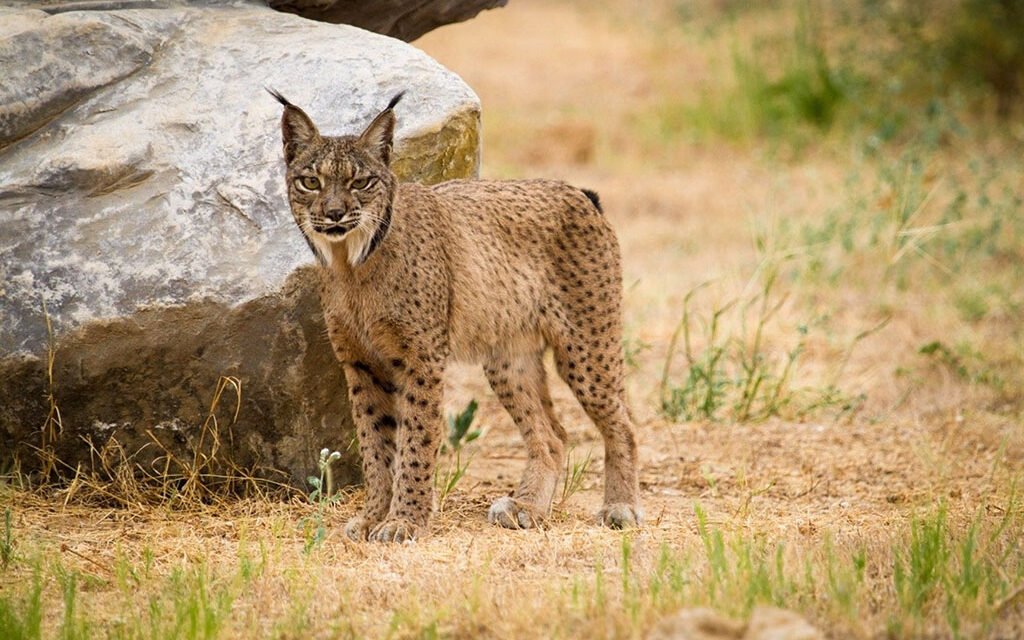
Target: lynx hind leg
588,355
520,384
595,377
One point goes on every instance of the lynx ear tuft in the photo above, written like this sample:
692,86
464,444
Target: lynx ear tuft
297,129
378,138
396,99
279,97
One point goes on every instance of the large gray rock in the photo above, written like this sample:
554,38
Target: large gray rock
142,202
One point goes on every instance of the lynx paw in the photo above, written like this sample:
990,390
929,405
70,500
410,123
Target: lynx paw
394,530
358,528
621,515
511,514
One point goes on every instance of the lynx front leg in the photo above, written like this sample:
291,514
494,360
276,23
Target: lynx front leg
419,434
373,411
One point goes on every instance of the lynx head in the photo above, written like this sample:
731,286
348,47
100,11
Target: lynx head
341,189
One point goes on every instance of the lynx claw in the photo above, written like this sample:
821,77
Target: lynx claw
621,515
511,514
358,528
394,530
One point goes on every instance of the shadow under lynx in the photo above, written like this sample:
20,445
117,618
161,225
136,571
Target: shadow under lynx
493,272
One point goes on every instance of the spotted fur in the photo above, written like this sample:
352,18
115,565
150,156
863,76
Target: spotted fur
494,272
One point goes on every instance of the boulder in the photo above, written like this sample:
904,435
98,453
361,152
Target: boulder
143,218
402,19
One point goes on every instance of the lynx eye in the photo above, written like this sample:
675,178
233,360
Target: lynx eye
361,183
308,183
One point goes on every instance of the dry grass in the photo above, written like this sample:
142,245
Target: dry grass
898,513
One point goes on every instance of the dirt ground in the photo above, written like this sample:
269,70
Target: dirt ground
563,87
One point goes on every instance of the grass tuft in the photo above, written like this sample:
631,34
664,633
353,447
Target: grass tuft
575,472
53,426
7,541
731,371
206,475
21,616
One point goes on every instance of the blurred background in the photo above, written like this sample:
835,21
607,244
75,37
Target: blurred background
613,78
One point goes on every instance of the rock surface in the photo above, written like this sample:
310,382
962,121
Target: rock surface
403,19
766,623
142,202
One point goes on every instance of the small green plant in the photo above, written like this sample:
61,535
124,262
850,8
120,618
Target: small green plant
322,495
714,549
575,471
631,595
744,573
844,580
190,603
458,427
966,363
792,101
969,575
918,571
971,304
74,625
599,595
632,349
7,542
452,475
459,434
23,617
809,90
323,486
670,579
702,392
199,606
734,375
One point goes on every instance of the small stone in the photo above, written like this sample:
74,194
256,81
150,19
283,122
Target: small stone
697,624
770,623
766,623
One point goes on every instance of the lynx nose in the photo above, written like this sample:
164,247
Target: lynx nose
334,215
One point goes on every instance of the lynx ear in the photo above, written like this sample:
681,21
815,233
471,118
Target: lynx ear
379,136
297,130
